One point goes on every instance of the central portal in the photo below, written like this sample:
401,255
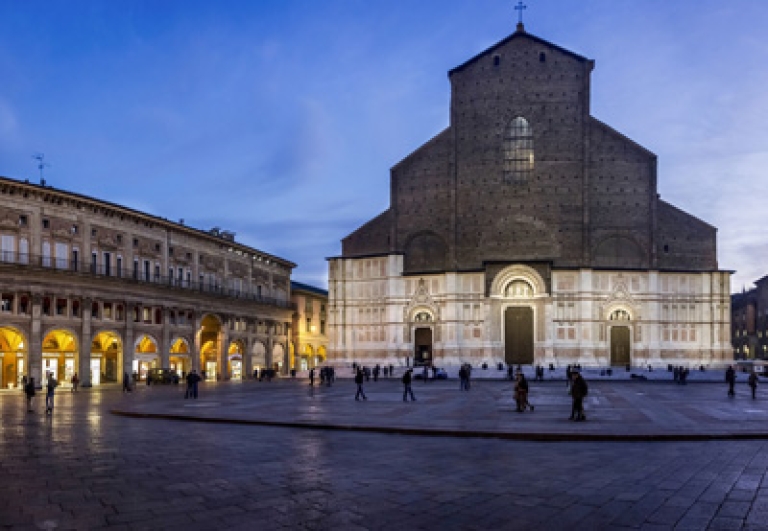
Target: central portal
422,346
620,345
518,336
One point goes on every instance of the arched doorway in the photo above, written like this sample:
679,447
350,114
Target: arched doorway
321,356
518,335
210,329
620,337
422,346
145,356
13,359
235,358
179,360
106,358
258,356
60,356
307,358
277,356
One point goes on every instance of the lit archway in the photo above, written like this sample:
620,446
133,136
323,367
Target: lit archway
145,356
106,358
180,360
13,357
277,356
210,329
60,356
235,359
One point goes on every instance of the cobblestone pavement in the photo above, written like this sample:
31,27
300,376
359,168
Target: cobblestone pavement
83,468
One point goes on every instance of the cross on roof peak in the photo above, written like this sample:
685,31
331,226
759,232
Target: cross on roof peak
519,8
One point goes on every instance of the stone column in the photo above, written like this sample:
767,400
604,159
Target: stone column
268,361
287,349
128,348
165,341
35,348
197,346
223,341
247,358
84,345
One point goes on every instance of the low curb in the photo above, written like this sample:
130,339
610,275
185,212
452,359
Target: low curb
513,436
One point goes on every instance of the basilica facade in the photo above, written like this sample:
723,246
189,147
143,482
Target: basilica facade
528,232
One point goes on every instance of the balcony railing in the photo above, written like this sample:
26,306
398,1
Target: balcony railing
8,258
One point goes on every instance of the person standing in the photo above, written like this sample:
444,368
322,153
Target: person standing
359,378
50,387
407,390
568,377
75,382
521,393
312,377
462,377
29,391
126,383
753,383
730,378
376,371
579,390
192,381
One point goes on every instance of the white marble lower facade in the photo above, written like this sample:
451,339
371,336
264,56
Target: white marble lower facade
586,316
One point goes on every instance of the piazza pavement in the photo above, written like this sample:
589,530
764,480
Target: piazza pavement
284,455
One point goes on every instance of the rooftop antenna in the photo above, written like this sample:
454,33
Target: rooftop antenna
41,165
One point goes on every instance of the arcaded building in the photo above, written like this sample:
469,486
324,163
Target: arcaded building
309,337
529,232
102,290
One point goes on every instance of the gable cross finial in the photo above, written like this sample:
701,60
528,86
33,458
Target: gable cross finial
519,8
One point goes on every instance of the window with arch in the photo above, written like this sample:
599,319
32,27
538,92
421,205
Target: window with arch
422,317
519,288
518,151
619,315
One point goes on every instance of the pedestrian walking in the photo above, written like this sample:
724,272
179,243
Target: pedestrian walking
521,393
730,378
359,378
753,383
75,382
126,383
407,390
391,370
192,381
49,390
29,391
312,376
376,371
425,373
462,378
579,390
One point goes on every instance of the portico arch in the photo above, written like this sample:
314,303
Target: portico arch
619,323
235,359
146,355
277,356
106,358
14,362
180,359
60,355
210,347
258,355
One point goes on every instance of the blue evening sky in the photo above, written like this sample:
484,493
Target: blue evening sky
279,120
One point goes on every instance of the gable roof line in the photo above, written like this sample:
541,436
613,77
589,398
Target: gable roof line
623,137
681,211
426,144
517,34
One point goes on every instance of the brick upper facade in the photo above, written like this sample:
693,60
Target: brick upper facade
590,199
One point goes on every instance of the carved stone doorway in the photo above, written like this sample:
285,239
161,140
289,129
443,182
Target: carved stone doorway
620,352
518,336
422,346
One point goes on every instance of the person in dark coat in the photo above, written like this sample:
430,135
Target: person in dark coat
359,378
49,393
312,376
568,377
29,391
192,380
521,393
126,383
753,383
730,377
407,390
579,391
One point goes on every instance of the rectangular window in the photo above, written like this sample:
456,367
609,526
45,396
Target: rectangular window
94,262
75,260
322,327
46,254
309,325
22,220
46,223
108,264
170,275
23,251
146,315
75,308
8,248
136,269
7,303
107,310
46,306
119,269
95,310
146,271
61,307
62,254
157,272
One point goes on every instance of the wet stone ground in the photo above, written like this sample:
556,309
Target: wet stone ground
84,468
